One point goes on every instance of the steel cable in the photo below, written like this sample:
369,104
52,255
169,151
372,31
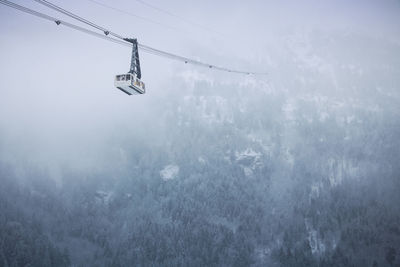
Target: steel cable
120,39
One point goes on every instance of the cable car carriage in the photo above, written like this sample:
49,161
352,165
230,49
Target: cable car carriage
130,83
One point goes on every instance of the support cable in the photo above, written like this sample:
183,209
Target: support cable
120,40
122,11
161,10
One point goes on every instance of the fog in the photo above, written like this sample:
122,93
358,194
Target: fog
298,167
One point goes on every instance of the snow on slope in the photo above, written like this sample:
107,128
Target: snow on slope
169,172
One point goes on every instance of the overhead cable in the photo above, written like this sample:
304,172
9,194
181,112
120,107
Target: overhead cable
119,40
74,16
123,11
159,9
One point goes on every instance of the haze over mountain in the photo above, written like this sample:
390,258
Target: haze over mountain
297,168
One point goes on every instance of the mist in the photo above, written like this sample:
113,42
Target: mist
298,167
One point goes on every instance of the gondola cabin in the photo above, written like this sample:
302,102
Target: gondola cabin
130,84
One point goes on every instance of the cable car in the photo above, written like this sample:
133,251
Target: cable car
130,83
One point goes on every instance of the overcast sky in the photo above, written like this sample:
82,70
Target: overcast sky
56,84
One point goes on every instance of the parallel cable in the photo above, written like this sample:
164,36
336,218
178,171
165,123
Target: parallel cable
161,10
74,16
120,39
61,22
122,11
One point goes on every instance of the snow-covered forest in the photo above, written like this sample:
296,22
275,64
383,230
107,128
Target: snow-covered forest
300,167
297,169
